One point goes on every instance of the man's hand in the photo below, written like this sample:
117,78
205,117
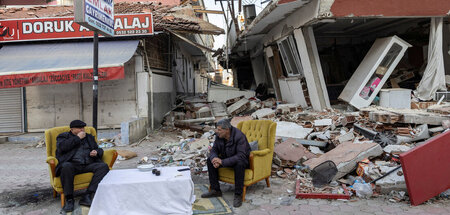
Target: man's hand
81,135
216,162
93,153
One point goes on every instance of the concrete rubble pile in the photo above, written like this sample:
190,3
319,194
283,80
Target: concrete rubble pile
364,148
189,151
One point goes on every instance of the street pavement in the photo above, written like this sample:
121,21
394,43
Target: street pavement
25,189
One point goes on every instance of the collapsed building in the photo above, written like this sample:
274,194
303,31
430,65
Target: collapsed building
318,52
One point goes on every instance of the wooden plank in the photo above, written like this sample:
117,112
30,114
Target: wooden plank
208,11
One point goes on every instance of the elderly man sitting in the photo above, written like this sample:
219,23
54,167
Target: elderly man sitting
77,152
230,149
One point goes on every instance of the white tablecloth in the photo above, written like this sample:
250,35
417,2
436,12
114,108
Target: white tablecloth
132,192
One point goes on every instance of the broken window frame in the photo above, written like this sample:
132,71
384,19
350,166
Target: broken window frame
294,68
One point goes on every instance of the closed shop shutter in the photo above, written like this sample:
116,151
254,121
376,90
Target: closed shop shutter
11,110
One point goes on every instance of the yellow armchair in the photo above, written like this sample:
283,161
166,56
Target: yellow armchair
81,181
260,161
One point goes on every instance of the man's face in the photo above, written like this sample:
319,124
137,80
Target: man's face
222,132
76,130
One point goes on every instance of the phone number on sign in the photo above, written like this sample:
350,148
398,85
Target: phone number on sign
144,31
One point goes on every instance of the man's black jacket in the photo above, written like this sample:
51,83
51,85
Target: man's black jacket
68,143
235,150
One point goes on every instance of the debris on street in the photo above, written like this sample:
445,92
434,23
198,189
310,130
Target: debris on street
365,145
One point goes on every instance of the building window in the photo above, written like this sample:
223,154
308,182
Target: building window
289,54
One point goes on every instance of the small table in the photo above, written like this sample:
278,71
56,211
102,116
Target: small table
130,191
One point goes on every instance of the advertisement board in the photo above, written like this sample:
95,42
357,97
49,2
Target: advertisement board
59,77
96,15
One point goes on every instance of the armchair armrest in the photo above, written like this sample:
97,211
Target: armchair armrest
255,154
52,162
252,162
260,152
109,157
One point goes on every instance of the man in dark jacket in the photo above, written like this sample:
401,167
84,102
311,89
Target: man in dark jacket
77,152
230,149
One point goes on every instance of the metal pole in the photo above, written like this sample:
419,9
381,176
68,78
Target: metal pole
95,84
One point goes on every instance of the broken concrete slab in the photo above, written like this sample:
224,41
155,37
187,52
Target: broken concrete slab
288,108
446,124
347,137
414,116
347,155
292,130
321,135
197,145
423,134
396,149
193,121
219,109
237,119
204,112
233,100
254,105
263,113
441,109
238,107
394,181
315,150
223,93
313,143
133,130
291,150
323,122
348,119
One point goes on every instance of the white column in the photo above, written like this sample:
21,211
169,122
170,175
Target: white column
307,50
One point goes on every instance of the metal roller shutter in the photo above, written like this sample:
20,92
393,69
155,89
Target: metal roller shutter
11,110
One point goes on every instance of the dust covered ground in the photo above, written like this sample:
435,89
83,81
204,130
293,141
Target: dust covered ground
25,188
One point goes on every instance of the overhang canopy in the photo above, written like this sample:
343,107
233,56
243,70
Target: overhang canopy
60,63
272,14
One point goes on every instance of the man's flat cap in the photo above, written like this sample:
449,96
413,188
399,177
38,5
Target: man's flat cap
77,124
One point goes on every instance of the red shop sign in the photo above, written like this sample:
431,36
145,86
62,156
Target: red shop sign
66,28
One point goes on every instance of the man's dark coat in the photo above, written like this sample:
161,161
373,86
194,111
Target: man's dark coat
235,150
67,145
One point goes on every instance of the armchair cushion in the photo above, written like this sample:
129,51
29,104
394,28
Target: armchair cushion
226,174
254,145
81,181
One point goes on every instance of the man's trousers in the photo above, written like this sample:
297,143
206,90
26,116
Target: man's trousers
69,170
239,173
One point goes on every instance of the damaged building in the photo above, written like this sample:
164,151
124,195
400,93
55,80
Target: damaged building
316,53
46,78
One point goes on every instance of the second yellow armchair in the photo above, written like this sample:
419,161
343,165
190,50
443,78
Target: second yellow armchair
261,160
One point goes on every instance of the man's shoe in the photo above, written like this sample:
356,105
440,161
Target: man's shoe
212,193
69,205
237,202
86,200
